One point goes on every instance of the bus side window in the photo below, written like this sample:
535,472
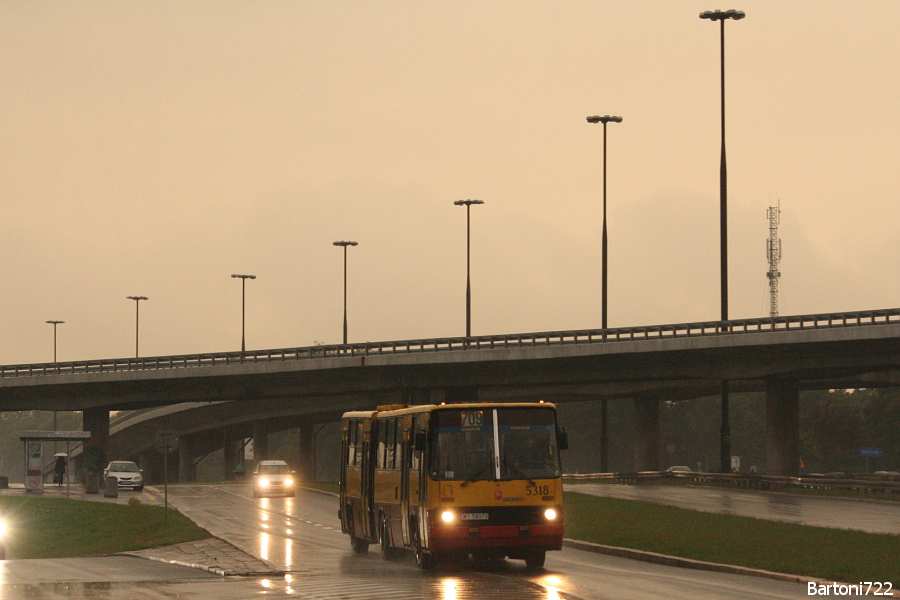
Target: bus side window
414,457
351,443
382,444
398,444
390,442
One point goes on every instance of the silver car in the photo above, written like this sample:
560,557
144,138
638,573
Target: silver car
273,478
127,473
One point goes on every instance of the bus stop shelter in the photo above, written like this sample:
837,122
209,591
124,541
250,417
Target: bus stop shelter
33,442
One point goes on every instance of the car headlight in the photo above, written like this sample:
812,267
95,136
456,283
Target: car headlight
288,481
447,516
264,482
550,514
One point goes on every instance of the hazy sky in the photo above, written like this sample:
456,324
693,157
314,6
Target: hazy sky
155,148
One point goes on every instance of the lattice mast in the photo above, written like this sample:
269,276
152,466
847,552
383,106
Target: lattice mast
773,252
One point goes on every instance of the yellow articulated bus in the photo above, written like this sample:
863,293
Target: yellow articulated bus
453,481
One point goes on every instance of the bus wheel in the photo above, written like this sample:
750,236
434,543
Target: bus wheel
388,552
425,560
535,559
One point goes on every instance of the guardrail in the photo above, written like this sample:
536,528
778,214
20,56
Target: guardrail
454,344
859,484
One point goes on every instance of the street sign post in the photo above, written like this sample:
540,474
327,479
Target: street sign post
166,442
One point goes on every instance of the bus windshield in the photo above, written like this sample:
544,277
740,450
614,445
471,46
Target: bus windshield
467,441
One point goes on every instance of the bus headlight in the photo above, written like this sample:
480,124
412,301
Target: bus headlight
447,516
550,514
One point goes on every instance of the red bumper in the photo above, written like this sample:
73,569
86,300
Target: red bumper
542,536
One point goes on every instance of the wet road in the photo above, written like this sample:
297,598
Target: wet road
302,537
865,515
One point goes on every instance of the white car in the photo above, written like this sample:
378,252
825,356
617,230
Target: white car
273,478
127,474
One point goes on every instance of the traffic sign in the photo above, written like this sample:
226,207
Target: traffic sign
670,448
871,452
166,441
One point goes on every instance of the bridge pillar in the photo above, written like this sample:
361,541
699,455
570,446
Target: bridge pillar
260,440
782,427
186,472
232,446
646,434
151,463
96,448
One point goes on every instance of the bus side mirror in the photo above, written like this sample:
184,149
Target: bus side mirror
562,439
420,441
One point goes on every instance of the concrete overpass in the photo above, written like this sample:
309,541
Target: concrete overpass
780,356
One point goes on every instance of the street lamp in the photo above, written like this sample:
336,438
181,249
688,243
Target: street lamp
604,439
468,204
243,279
137,319
344,245
605,119
722,16
55,323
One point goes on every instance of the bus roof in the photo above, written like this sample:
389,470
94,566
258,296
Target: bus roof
420,408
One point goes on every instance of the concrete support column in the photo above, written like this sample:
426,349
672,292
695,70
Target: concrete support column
151,463
782,427
260,440
646,434
96,448
186,473
305,444
231,446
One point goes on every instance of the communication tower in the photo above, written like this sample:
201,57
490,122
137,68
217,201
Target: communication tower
773,252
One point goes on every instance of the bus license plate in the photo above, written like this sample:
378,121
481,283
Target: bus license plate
475,517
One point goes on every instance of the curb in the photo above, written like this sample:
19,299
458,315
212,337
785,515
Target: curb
214,570
684,563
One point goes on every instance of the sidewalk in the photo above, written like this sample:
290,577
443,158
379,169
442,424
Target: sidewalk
212,554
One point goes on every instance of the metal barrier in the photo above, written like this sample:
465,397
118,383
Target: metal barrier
461,344
853,483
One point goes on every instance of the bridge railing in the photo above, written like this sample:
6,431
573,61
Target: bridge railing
462,344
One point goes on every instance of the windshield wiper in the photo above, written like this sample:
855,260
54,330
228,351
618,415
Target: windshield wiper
518,472
477,473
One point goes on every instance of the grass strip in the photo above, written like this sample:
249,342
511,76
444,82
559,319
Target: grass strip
831,554
60,528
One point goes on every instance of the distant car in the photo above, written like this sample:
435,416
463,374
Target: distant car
127,474
273,478
679,469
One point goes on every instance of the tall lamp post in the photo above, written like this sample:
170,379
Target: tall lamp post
243,279
604,428
344,245
468,204
137,320
54,323
725,438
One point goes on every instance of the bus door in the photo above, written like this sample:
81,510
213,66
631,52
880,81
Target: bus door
367,483
419,476
405,476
